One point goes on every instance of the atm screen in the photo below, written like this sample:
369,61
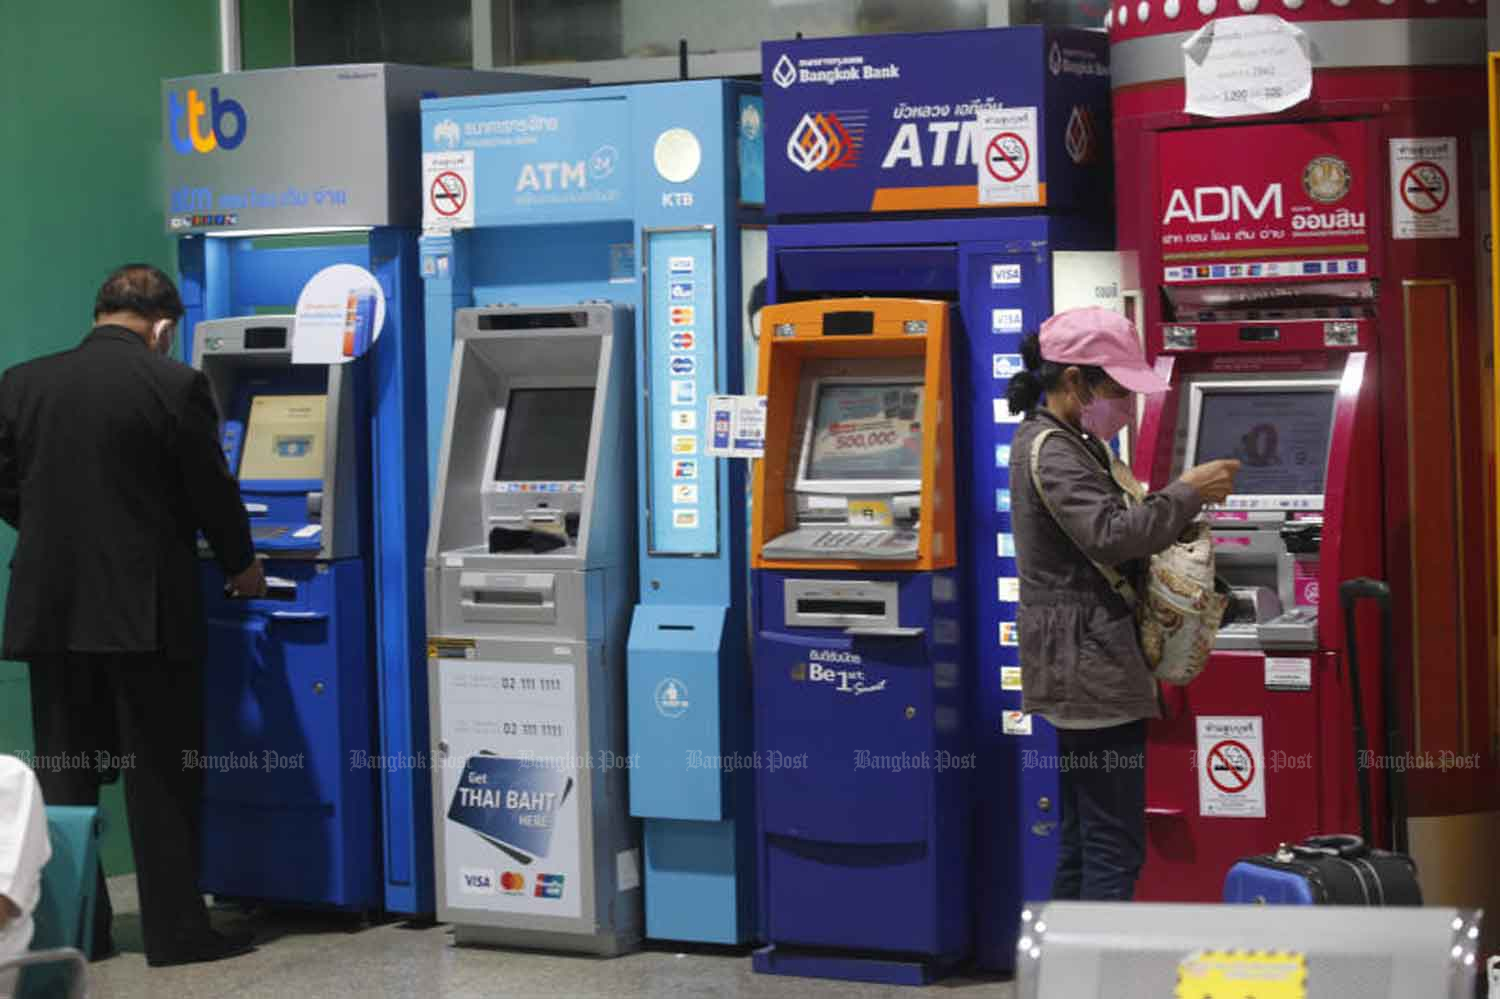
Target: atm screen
866,431
546,437
1280,437
284,437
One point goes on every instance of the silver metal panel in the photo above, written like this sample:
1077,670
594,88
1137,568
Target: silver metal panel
882,595
1454,41
1082,950
305,147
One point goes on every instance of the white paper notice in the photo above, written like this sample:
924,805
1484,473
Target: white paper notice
447,191
1250,64
736,426
1009,167
1015,723
1288,673
340,313
1424,194
1231,761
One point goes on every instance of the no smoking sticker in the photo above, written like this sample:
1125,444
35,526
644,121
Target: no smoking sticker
1424,200
1231,768
447,191
1008,168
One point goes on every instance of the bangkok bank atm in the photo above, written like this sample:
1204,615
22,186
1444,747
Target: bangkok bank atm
288,692
1009,221
860,665
530,580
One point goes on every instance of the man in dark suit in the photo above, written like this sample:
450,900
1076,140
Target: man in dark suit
109,467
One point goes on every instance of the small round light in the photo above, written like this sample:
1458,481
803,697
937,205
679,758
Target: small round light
1036,953
1292,4
1041,927
1458,952
1249,5
1207,7
1171,8
1143,11
1473,932
1458,923
1124,15
1469,959
1026,916
1026,943
1109,19
1339,3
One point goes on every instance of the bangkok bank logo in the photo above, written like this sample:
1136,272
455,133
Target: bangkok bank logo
825,141
190,133
446,133
785,74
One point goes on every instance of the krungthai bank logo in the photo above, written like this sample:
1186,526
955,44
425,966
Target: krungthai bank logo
190,133
824,140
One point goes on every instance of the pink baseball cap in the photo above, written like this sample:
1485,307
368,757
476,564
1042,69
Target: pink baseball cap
1105,339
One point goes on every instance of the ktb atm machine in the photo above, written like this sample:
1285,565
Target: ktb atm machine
860,667
270,177
530,579
639,196
288,700
1337,241
880,182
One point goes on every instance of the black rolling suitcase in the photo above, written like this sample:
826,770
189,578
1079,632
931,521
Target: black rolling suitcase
1344,870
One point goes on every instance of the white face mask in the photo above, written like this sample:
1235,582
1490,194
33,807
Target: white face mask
163,335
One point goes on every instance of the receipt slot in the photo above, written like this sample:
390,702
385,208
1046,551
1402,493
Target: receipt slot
863,830
289,690
531,577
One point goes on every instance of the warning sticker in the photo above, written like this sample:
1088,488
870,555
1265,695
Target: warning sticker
1009,170
1424,199
1231,762
1242,974
447,191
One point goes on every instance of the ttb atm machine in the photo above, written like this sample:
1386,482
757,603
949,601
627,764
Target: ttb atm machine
1338,238
641,196
530,581
970,167
288,700
860,668
270,177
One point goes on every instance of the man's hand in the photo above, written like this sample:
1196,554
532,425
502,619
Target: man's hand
251,582
1214,480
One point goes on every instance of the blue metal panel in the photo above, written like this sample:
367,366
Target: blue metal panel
288,701
865,837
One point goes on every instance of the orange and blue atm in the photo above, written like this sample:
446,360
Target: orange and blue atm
863,818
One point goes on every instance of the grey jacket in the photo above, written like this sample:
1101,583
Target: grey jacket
1081,657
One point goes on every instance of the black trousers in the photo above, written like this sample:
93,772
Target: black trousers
1102,784
144,714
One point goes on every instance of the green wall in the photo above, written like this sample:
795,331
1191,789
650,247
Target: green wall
80,192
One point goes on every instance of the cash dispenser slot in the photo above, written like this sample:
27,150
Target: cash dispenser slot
862,609
529,597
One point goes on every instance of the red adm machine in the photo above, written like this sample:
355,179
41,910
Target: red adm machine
1313,283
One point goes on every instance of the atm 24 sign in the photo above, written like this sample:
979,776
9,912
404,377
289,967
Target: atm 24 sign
1304,186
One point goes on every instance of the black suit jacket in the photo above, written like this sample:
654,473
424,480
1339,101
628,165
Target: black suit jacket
109,466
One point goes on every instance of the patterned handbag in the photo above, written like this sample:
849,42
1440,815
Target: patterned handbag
1183,607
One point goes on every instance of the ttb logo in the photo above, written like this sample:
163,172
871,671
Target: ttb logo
823,141
192,134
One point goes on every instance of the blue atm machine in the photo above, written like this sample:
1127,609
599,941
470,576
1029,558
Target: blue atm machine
967,167
638,196
269,177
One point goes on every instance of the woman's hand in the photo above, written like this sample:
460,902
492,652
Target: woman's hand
1214,480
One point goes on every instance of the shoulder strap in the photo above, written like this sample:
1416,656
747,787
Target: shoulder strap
1117,582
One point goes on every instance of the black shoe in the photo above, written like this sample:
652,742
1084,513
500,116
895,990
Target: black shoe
211,946
104,950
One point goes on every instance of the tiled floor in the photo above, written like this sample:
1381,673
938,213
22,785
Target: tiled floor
302,957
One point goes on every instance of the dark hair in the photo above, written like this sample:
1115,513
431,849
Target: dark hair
1026,387
757,299
141,289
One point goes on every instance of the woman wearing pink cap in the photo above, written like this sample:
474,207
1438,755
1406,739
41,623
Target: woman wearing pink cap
1082,667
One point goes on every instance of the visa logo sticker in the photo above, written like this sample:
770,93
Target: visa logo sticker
683,365
1007,320
1007,365
682,470
683,340
680,265
1005,275
478,880
681,291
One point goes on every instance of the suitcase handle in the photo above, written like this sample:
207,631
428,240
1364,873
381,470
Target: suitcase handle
1353,590
1344,846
